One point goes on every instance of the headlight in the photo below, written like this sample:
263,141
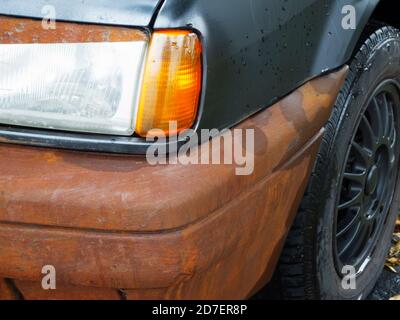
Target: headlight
87,87
97,79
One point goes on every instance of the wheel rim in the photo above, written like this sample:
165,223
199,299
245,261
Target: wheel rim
367,182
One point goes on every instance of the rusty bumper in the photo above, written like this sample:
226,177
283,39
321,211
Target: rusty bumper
117,227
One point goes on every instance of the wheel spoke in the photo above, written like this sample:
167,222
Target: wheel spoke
355,201
355,177
367,130
350,242
392,126
363,152
352,223
378,116
359,238
386,126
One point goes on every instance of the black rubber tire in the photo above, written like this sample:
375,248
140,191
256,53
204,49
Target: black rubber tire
306,269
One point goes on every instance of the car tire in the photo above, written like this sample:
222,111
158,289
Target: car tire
338,243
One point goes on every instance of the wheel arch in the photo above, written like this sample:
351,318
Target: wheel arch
384,12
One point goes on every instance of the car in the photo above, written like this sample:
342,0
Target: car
170,149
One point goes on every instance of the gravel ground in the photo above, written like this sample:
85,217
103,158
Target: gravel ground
388,286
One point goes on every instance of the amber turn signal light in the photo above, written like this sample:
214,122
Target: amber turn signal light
171,83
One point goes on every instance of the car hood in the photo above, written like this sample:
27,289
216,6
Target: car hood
119,12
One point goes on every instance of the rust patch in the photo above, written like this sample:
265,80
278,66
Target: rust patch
7,292
24,30
32,290
50,157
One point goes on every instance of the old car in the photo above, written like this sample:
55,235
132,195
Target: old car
86,89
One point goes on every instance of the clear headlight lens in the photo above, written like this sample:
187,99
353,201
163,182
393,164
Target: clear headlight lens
88,87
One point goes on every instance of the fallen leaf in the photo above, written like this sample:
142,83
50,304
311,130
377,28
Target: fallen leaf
390,267
395,250
394,261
